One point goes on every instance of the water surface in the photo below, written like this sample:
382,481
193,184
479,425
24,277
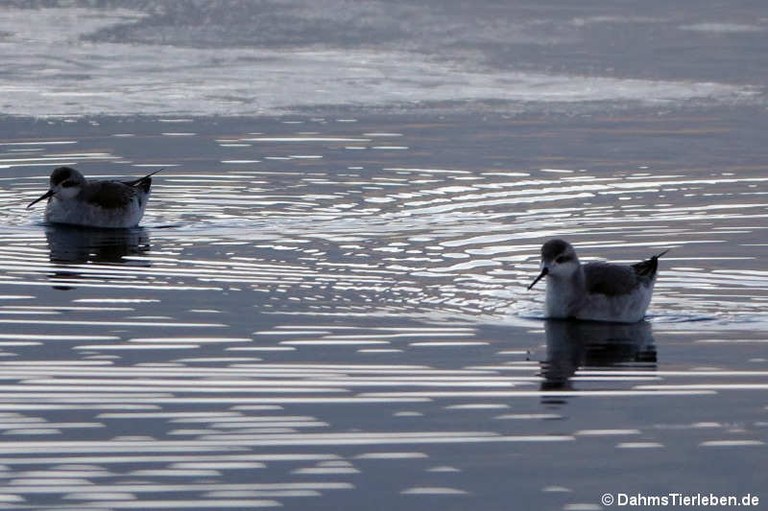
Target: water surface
325,306
316,310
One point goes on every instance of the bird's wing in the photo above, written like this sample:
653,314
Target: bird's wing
615,279
108,194
610,279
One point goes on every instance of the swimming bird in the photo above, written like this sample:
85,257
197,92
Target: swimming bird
595,291
74,200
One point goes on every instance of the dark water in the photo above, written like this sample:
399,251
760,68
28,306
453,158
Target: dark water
326,308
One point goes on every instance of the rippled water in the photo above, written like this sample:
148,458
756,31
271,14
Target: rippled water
326,305
330,312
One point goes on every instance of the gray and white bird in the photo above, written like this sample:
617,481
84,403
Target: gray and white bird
595,291
74,200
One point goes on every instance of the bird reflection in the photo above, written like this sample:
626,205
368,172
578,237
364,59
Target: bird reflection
71,246
572,345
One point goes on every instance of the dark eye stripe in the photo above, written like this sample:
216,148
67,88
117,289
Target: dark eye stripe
563,259
68,184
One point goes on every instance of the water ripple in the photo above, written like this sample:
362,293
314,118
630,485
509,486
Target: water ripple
310,305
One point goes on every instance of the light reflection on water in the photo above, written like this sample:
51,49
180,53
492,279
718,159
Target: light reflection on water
311,308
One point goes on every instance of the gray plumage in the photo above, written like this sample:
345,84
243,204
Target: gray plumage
595,291
74,200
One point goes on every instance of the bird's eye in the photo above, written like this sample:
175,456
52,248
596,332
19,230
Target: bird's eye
68,184
562,259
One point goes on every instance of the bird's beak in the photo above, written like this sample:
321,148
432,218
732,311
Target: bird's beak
44,196
544,272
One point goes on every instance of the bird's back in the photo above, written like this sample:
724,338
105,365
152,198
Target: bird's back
614,279
109,194
610,279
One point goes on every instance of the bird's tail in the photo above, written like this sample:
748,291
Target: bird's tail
649,267
144,183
